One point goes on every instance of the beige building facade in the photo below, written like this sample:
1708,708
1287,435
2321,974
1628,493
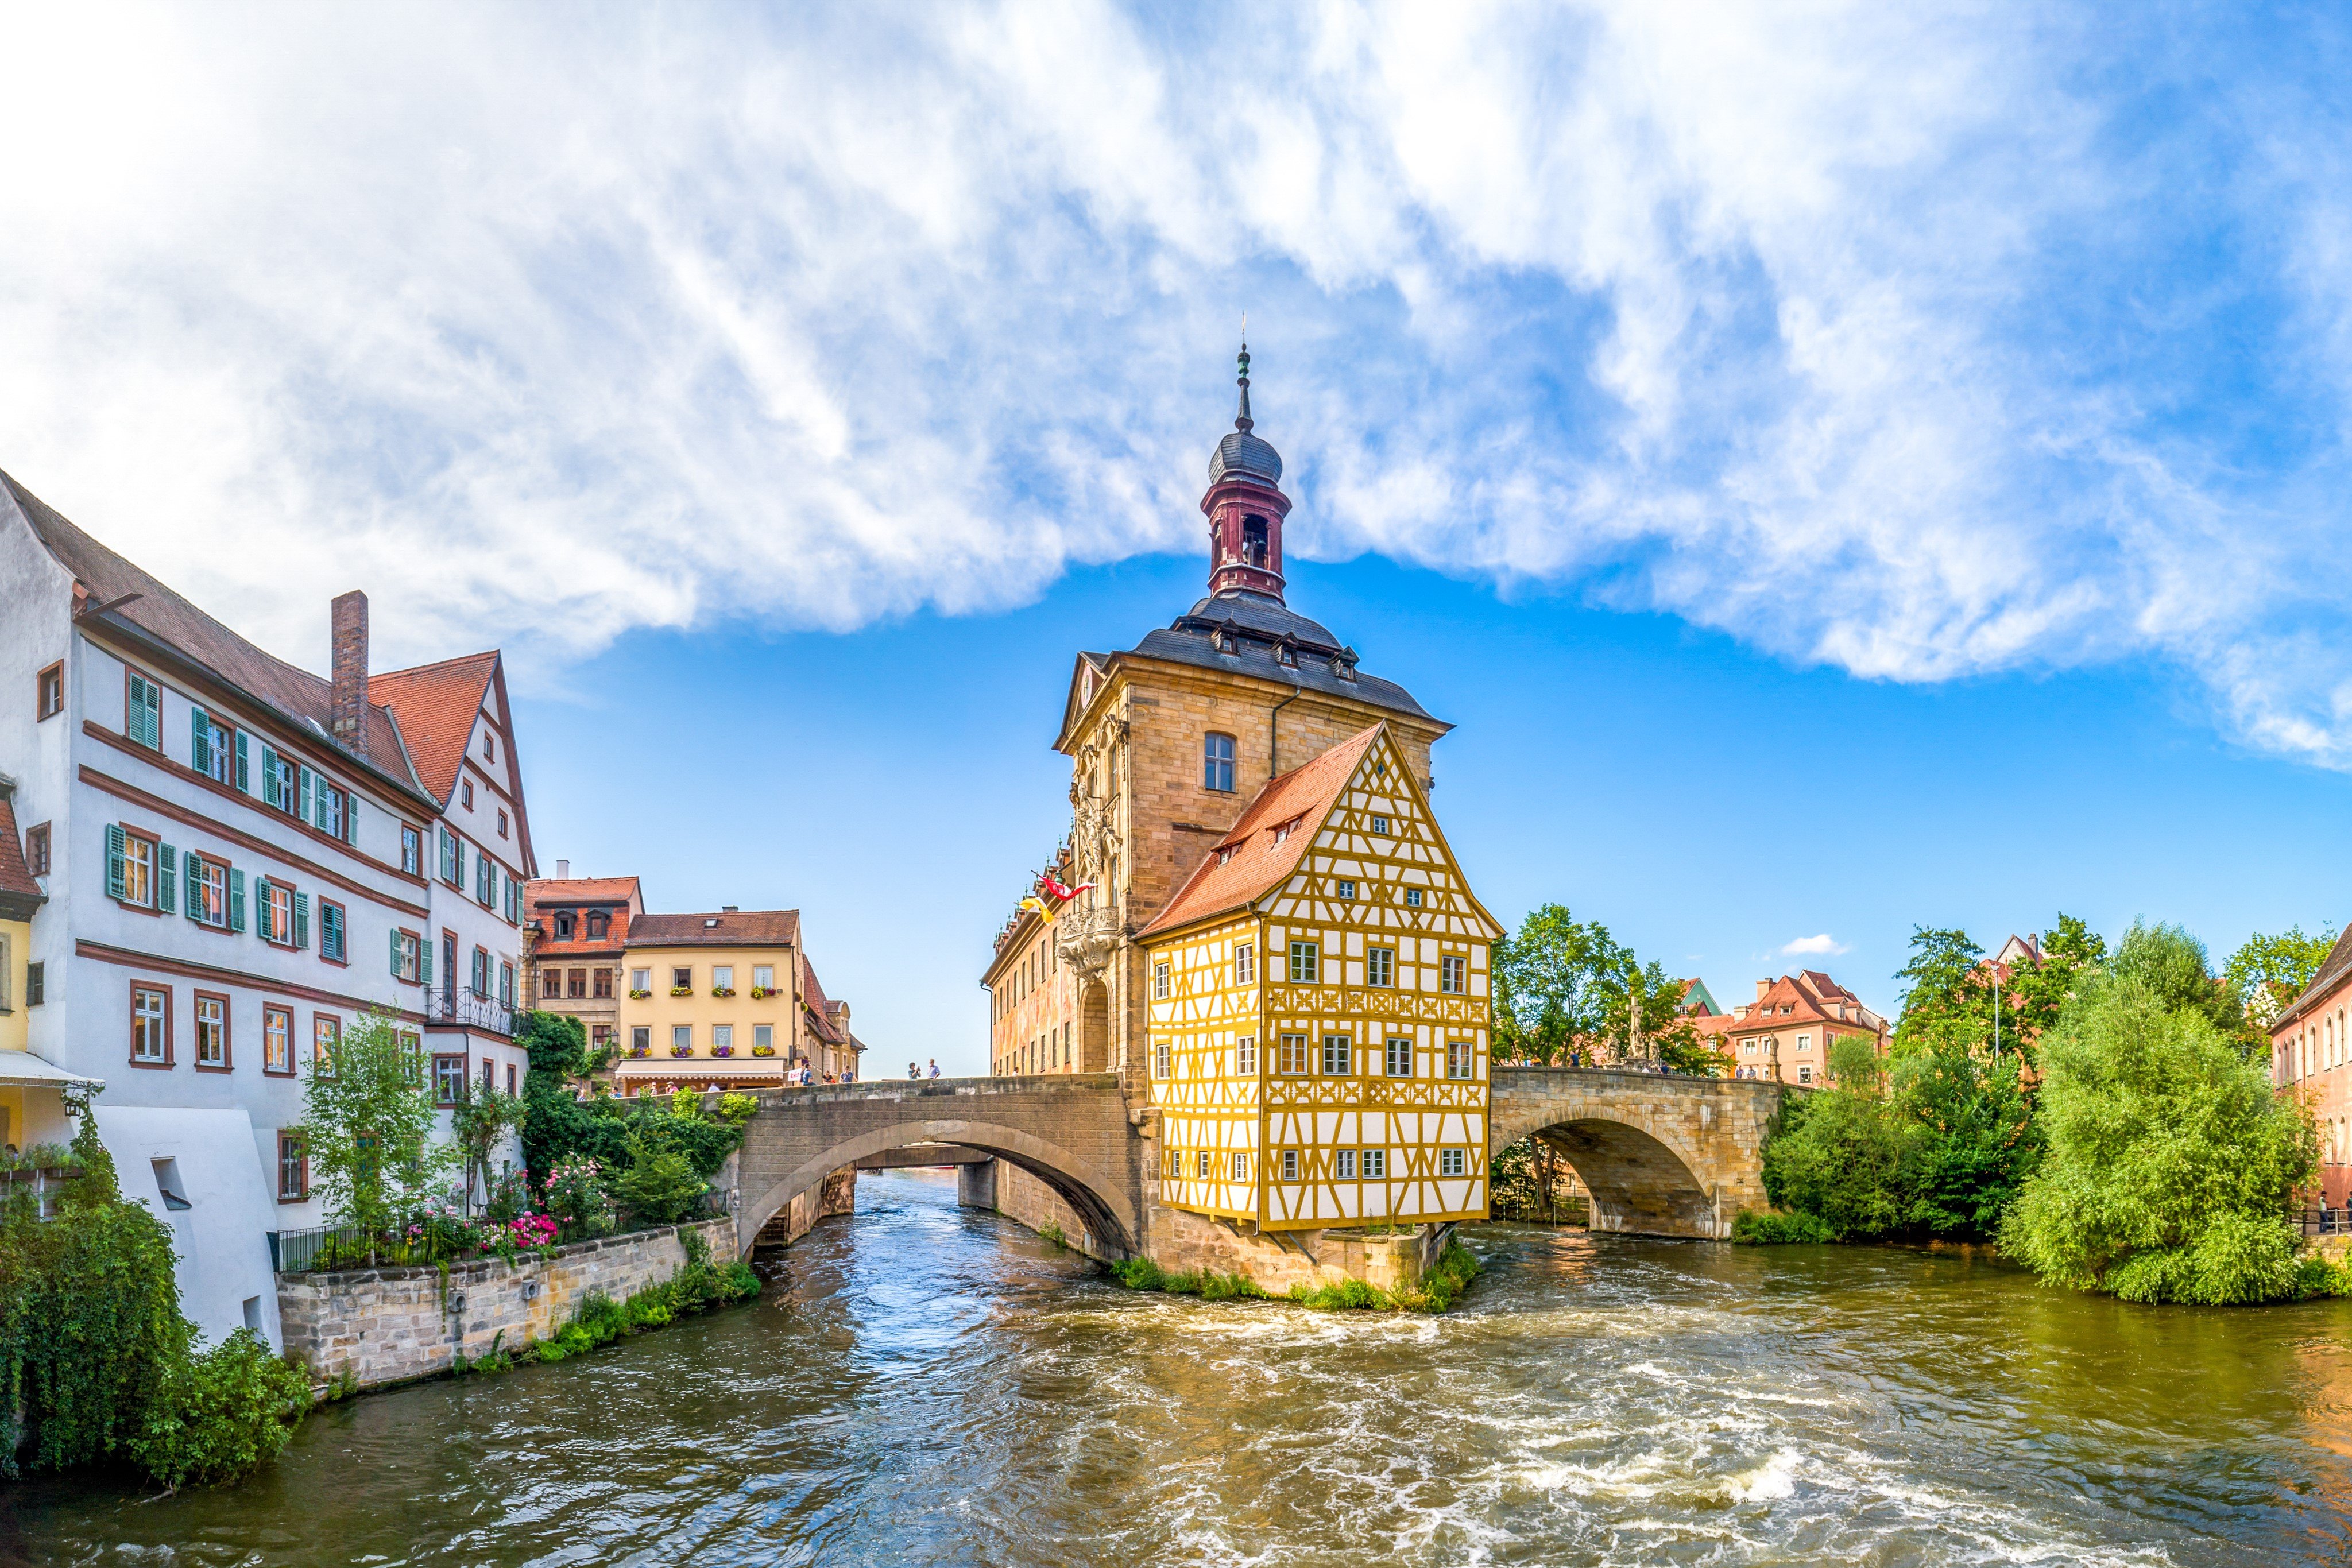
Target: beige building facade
726,1000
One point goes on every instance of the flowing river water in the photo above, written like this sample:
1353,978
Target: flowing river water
921,1384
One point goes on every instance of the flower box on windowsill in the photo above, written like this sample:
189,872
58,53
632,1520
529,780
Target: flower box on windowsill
639,996
762,993
681,990
763,1051
722,1050
641,1051
722,991
681,1050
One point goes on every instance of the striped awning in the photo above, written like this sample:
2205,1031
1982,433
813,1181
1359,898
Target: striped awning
698,1070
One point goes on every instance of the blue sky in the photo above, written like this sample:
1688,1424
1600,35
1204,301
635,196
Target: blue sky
1841,466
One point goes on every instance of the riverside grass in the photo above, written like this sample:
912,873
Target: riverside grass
1439,1287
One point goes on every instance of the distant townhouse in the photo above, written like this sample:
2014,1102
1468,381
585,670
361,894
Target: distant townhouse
577,929
2311,1059
229,861
727,999
1785,1034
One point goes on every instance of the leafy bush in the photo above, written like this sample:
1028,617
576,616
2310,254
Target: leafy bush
1774,1227
219,1416
1443,1285
659,1186
2170,1161
1139,1274
1348,1295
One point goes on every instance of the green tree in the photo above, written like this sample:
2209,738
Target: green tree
2269,971
661,1185
481,1118
1546,995
2037,993
2170,1161
2172,966
1969,1135
1641,1016
368,1117
1838,1157
1943,984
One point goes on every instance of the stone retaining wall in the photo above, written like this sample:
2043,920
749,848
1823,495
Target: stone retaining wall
392,1325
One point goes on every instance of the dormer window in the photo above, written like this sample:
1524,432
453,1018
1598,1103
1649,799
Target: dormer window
563,927
1283,653
599,926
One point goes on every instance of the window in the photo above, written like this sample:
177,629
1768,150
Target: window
280,785
326,1033
1241,1165
503,824
453,859
1453,1161
722,1035
333,939
414,1045
131,867
1380,966
49,693
211,1031
578,988
37,850
601,984
599,926
212,747
641,1040
1457,1059
1412,898
1347,888
1160,982
36,984
1449,971
207,892
1805,1073
722,977
1376,1165
466,793
1244,963
293,1168
489,1075
486,882
564,926
1217,763
276,905
681,1038
1290,1165
1397,1060
1379,825
150,1026
1290,1056
412,851
763,1037
408,956
1245,1054
168,1185
1338,1050
277,1040
142,719
1162,1060
641,979
506,985
681,978
1343,1165
448,1080
1202,1164
1804,1043
550,984
329,807
489,747
764,977
1304,963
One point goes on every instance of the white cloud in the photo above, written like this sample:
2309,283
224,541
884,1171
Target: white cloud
1872,337
1823,946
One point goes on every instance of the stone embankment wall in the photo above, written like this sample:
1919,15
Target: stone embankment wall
384,1326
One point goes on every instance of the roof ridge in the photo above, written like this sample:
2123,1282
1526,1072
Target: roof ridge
436,664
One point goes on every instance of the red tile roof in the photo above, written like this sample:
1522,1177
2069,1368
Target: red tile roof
18,892
578,890
822,1021
743,928
1258,863
437,706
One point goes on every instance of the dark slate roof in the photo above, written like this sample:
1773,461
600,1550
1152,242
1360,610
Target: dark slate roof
1259,625
1243,453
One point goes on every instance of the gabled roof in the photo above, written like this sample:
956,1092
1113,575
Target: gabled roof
1258,863
19,894
304,700
568,891
437,706
823,1021
740,928
2331,971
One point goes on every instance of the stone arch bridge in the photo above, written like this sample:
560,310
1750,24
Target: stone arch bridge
1660,1156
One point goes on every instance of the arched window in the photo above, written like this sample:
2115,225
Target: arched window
1254,540
1217,762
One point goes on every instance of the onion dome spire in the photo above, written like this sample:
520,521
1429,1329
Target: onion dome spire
1245,504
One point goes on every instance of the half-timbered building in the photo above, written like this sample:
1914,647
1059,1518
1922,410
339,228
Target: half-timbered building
1318,1008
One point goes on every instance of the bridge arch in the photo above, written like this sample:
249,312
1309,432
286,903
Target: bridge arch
1070,1132
1660,1156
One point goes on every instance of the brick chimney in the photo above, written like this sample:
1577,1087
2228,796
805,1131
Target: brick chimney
350,671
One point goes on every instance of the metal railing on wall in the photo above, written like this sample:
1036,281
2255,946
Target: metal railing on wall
467,1008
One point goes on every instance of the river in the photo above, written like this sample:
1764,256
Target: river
926,1386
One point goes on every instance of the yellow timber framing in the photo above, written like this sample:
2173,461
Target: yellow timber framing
1225,1082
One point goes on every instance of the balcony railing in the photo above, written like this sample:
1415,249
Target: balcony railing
470,1009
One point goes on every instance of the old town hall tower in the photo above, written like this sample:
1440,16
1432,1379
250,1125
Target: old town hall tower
1167,741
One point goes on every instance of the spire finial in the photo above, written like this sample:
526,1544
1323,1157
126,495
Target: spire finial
1242,421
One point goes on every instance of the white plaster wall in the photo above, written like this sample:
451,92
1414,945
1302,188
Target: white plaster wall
222,1250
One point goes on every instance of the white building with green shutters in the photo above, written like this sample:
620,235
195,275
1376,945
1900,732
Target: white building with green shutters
238,858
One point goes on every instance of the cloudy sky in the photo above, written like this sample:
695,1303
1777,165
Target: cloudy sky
1910,368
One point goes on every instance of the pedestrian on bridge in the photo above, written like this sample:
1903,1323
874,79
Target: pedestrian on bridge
935,1066
913,1071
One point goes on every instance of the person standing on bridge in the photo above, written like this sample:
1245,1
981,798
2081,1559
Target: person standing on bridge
913,1071
935,1066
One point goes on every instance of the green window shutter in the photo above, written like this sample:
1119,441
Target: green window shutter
261,908
269,777
244,773
350,818
195,885
167,876
116,887
458,860
236,899
331,931
200,740
302,921
425,960
448,855
144,721
395,953
303,801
